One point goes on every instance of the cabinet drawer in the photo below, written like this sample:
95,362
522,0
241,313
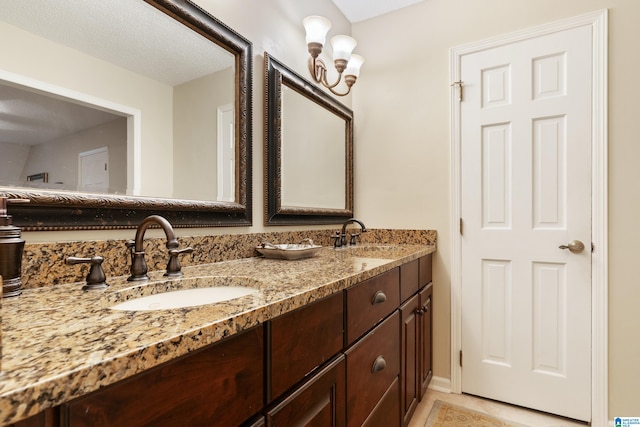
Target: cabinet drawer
371,301
409,281
387,411
318,402
373,364
425,270
303,340
219,385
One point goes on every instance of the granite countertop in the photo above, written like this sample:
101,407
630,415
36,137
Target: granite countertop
61,342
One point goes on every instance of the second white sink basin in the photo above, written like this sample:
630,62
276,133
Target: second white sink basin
185,298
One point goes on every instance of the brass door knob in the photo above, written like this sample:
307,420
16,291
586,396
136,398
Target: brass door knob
575,246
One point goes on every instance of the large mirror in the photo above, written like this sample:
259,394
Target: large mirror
113,110
309,151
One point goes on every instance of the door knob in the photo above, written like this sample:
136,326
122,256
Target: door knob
575,246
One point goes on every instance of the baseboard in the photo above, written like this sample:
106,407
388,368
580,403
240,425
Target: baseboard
440,384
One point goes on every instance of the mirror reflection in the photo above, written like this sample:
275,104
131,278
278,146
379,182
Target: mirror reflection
52,143
124,105
309,156
72,144
313,154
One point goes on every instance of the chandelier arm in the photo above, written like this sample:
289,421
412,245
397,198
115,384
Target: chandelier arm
338,93
317,69
327,84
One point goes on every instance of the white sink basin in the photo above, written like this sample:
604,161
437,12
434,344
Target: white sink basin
185,298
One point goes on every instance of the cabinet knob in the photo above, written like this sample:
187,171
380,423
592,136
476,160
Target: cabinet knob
422,310
378,365
378,298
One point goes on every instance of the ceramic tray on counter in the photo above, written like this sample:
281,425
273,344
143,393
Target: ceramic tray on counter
289,251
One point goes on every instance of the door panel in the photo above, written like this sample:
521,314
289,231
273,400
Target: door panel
526,190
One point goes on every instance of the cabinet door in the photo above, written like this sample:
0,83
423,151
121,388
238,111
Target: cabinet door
426,317
221,385
303,340
320,402
410,382
373,364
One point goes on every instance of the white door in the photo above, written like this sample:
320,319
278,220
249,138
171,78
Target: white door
94,170
526,190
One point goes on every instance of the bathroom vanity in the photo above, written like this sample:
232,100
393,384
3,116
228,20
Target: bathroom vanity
340,339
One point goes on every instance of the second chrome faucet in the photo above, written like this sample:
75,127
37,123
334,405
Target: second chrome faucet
138,263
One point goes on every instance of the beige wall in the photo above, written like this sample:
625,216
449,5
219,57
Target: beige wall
195,131
402,106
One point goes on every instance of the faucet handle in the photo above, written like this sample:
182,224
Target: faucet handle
173,266
352,239
96,279
337,239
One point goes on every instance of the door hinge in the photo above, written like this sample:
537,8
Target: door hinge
461,227
461,358
458,84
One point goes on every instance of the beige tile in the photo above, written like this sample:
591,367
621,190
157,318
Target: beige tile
497,409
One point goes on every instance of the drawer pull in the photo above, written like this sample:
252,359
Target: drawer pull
378,298
378,365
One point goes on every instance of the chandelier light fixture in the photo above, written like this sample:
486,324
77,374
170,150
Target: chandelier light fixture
347,64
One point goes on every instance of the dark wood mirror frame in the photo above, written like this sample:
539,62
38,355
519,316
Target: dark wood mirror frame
277,74
51,210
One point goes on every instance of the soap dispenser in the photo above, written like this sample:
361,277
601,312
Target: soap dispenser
11,247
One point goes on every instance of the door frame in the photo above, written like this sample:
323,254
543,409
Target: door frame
599,200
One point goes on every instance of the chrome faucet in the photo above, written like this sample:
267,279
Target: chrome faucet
341,239
138,263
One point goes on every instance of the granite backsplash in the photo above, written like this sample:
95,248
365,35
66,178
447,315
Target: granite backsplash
43,263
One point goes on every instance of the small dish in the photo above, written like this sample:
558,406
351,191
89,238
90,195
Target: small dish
288,251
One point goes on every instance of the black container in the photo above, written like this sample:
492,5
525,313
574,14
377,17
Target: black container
11,248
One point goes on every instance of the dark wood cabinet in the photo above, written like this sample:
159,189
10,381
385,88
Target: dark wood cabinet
47,418
410,357
260,422
320,401
387,411
409,279
373,364
221,385
425,342
371,301
302,340
416,350
426,270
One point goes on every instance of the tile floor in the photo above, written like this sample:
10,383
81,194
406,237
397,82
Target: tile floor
497,409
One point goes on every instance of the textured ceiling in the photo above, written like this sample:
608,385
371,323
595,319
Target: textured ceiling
130,34
359,10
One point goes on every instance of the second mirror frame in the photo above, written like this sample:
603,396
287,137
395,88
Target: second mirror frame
277,74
